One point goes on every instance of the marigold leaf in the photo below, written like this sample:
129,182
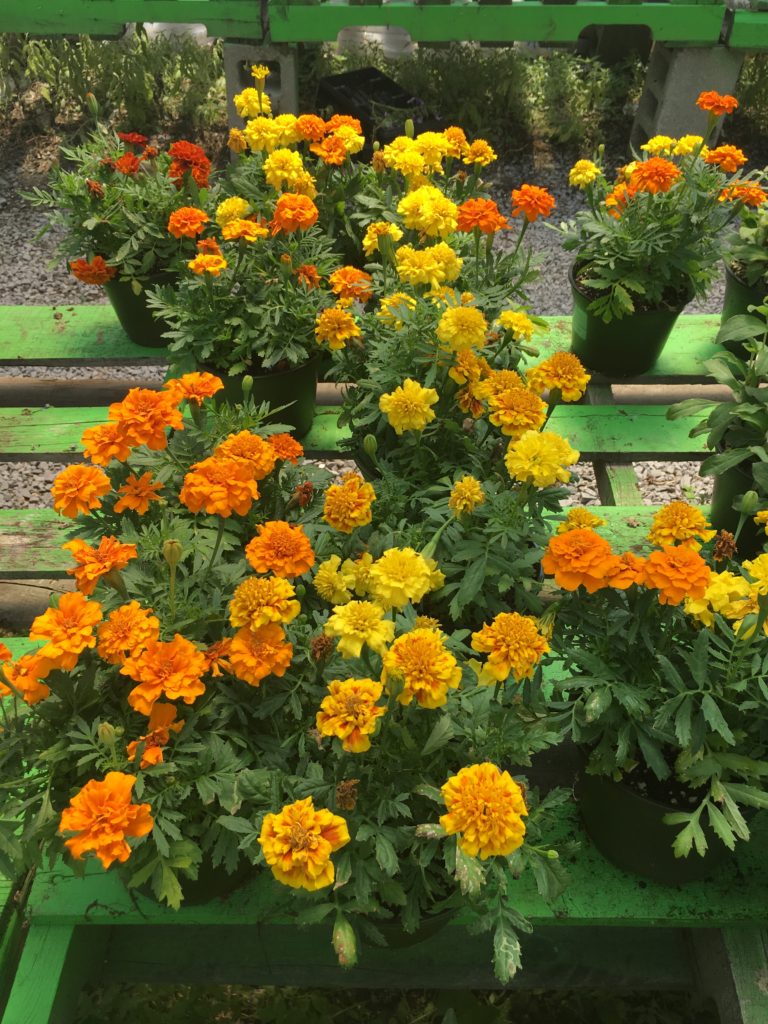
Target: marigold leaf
441,733
506,952
720,825
386,855
469,873
715,720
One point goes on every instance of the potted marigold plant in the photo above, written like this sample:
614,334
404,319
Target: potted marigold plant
208,693
112,198
663,689
648,242
746,257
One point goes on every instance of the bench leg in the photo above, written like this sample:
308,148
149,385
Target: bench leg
733,969
57,960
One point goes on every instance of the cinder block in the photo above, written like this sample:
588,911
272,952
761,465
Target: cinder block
282,84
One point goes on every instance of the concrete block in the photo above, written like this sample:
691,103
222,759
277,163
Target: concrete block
282,86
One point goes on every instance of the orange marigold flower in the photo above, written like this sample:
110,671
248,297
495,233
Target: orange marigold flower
533,201
482,214
95,188
128,163
676,572
77,489
680,523
257,653
293,213
350,713
513,644
348,504
344,120
145,415
562,372
298,842
209,246
654,175
286,447
486,808
126,632
627,571
67,630
311,127
579,558
105,442
308,275
260,600
351,283
187,222
195,387
717,103
337,326
172,670
219,486
256,451
423,667
93,563
103,818
162,722
479,152
5,654
749,193
280,548
95,272
133,138
727,158
517,410
137,493
187,158
217,655
246,228
24,677
616,200
331,150
204,263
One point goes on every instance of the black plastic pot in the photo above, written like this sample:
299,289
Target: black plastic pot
211,883
132,311
628,829
736,300
723,516
295,388
621,348
397,938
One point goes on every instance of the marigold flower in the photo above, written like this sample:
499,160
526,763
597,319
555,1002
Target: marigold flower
249,230
133,138
357,572
433,266
350,713
137,493
77,489
331,584
209,247
252,102
481,214
280,548
348,504
282,167
627,571
298,842
127,164
616,200
125,632
376,231
311,127
233,208
727,158
95,188
513,644
688,144
145,415
540,458
654,175
518,322
66,629
170,669
533,201
351,283
758,570
402,575
260,600
676,572
187,158
102,818
479,153
207,263
187,222
408,407
462,327
256,452
105,442
194,387
748,193
293,213
562,372
466,495
580,519
516,411
331,150
716,103
219,486
422,667
24,677
579,557
162,722
93,563
680,523
254,654
457,142
659,144
486,808
393,307
761,519
725,595
583,173
286,447
5,654
427,210
337,326
308,275
357,623
94,272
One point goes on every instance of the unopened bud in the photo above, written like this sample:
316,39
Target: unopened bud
749,504
247,386
552,855
92,104
370,446
172,552
409,129
344,942
341,207
106,733
300,590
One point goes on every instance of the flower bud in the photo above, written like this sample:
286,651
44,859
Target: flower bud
301,590
409,128
344,942
106,733
92,104
247,386
552,855
749,503
370,445
172,552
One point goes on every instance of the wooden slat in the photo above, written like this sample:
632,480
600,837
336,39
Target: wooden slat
37,391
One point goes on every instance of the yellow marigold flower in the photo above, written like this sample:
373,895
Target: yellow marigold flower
562,372
659,144
351,140
540,458
513,644
252,103
580,519
427,210
486,808
376,231
519,323
126,631
282,167
262,134
725,595
680,523
687,144
260,600
758,570
260,72
480,153
761,519
332,584
408,407
254,654
402,575
172,670
298,842
237,141
748,608
358,574
433,265
207,263
358,623
466,495
468,368
234,208
78,489
457,142
462,327
337,326
583,173
280,548
393,307
434,147
402,155
422,667
102,818
516,411
67,630
348,504
289,132
350,713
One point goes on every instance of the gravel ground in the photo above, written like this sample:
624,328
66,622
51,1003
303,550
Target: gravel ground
26,278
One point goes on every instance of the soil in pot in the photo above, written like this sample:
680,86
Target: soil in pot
723,516
625,347
134,315
736,301
294,387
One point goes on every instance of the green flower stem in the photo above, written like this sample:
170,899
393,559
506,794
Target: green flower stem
217,545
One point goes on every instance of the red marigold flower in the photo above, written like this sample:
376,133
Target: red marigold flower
133,138
95,272
533,201
716,103
95,188
188,158
308,275
128,163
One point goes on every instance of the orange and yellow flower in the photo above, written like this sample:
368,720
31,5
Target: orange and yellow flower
260,600
486,808
138,493
103,818
298,842
562,372
533,201
207,263
350,713
254,654
347,505
513,644
419,666
247,228
336,326
219,486
78,489
66,629
516,411
171,669
162,722
126,632
680,523
94,563
280,548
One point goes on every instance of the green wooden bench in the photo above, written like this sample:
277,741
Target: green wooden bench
607,930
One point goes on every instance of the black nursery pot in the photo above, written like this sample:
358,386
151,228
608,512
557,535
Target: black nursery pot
737,298
295,388
134,315
723,516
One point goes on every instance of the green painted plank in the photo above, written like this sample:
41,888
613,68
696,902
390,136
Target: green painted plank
749,30
614,433
17,645
682,24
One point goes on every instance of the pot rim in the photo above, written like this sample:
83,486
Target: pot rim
730,272
220,371
667,808
676,310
